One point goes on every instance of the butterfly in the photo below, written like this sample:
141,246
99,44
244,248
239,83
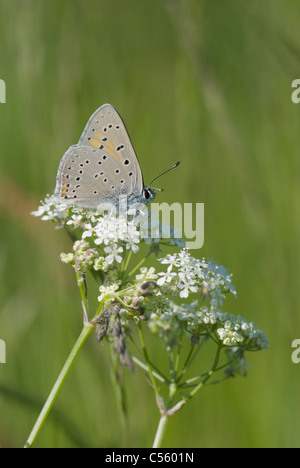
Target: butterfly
103,166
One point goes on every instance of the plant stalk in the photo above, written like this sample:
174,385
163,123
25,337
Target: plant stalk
57,386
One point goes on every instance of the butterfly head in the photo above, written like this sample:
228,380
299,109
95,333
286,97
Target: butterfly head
149,194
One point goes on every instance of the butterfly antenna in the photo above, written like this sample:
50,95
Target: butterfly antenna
163,173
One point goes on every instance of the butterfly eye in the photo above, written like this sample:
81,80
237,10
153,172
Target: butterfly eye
147,194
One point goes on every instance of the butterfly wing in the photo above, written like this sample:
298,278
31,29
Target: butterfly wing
106,130
102,166
89,176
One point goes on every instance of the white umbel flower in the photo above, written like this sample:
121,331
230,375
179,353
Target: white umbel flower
113,252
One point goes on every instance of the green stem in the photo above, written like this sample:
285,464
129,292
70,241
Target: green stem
117,378
185,366
209,374
137,266
168,413
171,364
57,386
160,431
83,293
140,264
145,352
159,377
128,261
205,380
177,359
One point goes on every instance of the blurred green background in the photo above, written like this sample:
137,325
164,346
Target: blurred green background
204,82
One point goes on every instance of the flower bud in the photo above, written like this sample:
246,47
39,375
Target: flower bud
148,287
136,302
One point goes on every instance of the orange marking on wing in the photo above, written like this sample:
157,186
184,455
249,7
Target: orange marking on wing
107,146
95,143
112,153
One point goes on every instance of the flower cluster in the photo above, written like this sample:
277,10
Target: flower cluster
186,274
105,230
52,209
110,230
201,321
104,244
113,235
84,258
